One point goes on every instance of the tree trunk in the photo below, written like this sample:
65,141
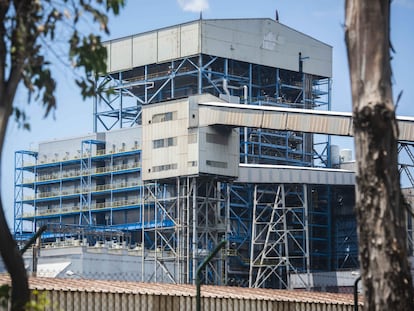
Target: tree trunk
379,204
10,253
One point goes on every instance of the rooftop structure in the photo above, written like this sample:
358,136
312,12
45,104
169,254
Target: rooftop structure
216,129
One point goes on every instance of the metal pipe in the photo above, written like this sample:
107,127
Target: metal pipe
245,94
225,87
201,267
195,224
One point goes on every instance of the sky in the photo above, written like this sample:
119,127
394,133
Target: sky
321,19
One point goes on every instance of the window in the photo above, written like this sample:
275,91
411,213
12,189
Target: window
216,164
164,117
171,141
192,163
158,143
165,167
164,142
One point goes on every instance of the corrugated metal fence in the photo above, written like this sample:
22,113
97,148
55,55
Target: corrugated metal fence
70,294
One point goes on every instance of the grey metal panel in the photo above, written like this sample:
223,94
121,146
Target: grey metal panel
249,173
274,119
265,42
230,116
289,119
260,41
335,125
284,119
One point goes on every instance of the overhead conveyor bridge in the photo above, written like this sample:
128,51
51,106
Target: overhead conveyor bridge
289,119
283,174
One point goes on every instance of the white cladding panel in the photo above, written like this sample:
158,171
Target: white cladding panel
144,49
405,127
62,149
190,43
123,139
153,47
120,54
266,42
168,44
174,145
219,151
258,41
165,161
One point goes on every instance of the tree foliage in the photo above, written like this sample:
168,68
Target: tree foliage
34,36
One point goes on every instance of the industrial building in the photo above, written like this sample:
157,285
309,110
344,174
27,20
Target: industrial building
214,130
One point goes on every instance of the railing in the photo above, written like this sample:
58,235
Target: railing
75,209
98,188
77,173
100,152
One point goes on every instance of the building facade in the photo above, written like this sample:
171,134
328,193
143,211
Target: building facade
153,177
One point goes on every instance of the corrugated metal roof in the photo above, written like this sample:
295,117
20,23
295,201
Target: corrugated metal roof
159,289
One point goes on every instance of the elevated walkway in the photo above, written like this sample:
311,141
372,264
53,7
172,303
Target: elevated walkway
289,119
282,174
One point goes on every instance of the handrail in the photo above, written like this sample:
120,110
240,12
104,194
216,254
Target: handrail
98,188
77,173
97,153
74,209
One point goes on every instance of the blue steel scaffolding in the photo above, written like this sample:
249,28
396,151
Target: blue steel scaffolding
180,78
158,214
76,191
273,230
252,84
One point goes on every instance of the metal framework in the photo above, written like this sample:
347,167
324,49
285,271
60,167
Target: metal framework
81,190
185,220
215,75
24,173
280,235
195,213
85,197
253,84
406,169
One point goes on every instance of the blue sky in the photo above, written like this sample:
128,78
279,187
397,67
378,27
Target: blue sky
321,19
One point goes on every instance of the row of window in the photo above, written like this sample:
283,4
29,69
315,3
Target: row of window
164,142
165,167
218,164
173,166
192,138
